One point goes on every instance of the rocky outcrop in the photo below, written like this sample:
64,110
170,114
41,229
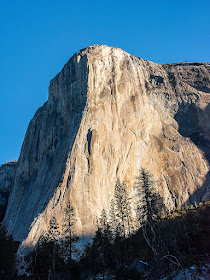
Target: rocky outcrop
7,173
108,114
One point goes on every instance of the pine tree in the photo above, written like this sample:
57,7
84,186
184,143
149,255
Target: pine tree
149,204
123,214
123,209
127,207
97,252
105,239
103,220
149,207
53,231
68,230
112,217
53,235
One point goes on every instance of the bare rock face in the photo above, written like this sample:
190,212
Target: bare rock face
7,174
109,114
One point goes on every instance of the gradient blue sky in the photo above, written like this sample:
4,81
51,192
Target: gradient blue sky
38,37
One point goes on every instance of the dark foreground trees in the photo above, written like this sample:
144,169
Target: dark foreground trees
46,260
8,248
183,241
162,245
52,256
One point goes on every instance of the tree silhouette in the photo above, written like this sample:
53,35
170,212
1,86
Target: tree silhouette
53,231
150,203
68,230
52,236
123,208
149,206
112,217
103,220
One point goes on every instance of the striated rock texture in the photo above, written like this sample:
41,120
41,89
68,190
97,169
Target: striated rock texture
108,114
7,173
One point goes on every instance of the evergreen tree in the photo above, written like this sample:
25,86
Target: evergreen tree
53,233
123,214
103,220
149,204
107,235
101,249
45,261
68,230
52,236
97,252
127,207
149,207
112,217
123,209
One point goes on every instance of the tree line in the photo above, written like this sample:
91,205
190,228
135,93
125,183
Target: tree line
112,248
53,254
141,242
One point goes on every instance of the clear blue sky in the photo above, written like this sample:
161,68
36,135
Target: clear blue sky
38,37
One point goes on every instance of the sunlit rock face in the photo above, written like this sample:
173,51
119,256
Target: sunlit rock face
109,114
7,174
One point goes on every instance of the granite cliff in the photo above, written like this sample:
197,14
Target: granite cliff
7,174
108,114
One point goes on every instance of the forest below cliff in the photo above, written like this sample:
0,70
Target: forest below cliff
162,243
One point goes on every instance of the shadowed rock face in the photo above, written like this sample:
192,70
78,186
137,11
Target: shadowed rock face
7,174
109,114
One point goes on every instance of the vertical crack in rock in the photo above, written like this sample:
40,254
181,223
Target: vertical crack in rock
89,137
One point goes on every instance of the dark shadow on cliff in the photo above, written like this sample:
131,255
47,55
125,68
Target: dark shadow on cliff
187,117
